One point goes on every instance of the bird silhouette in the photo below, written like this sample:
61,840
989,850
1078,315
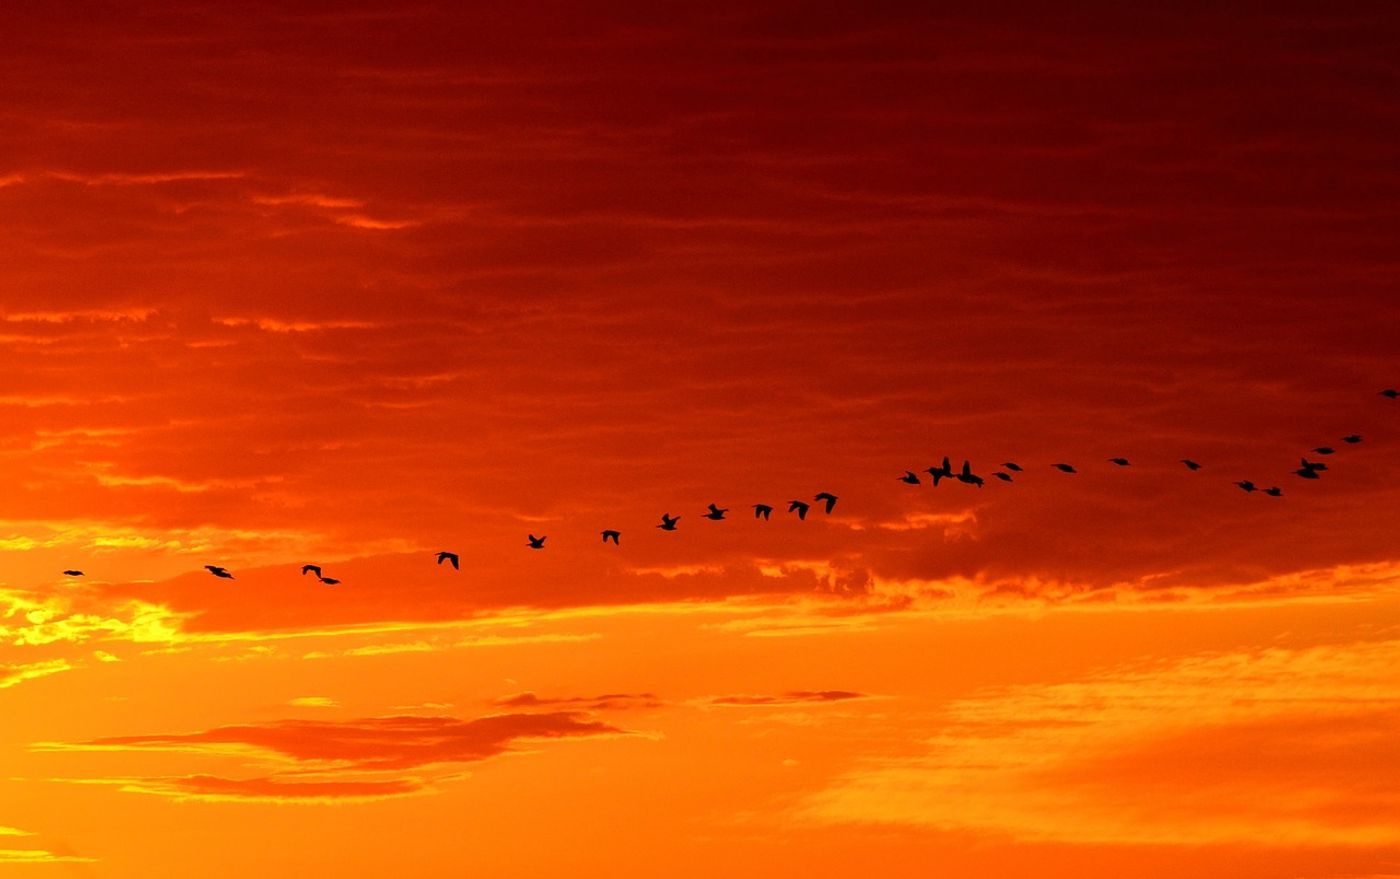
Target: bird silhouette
1309,465
668,522
1004,477
218,571
1064,468
1190,465
827,498
1247,485
909,478
967,477
315,569
537,542
1309,470
329,581
1121,462
762,510
944,472
1012,465
1324,450
799,508
1352,439
614,536
449,557
72,573
1391,393
1274,492
716,513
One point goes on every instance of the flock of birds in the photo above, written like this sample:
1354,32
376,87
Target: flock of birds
937,473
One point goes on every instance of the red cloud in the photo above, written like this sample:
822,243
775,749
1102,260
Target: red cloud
791,698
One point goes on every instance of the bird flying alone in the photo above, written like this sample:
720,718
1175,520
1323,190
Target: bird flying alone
1012,466
909,478
762,511
944,472
967,477
1121,462
311,569
1309,470
799,507
1190,465
1004,477
537,542
1246,485
1352,439
614,536
827,498
1274,491
668,522
449,557
1323,450
1065,468
1391,393
72,573
716,513
219,572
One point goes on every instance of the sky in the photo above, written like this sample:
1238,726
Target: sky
353,284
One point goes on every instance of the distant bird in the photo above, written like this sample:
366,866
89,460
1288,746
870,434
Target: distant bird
72,573
1324,450
330,581
1065,468
1391,393
449,557
1309,470
944,472
1352,439
716,513
1121,462
1247,485
537,542
909,478
799,508
218,571
1190,465
1309,465
967,477
827,498
668,522
1004,477
314,569
614,536
762,510
1274,492
1012,465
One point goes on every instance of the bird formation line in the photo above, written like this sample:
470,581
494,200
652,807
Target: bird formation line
1309,470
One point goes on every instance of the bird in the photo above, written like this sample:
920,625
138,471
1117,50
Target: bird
1352,439
909,478
1004,477
614,536
1274,492
537,542
799,508
219,572
668,522
716,513
1121,462
72,573
943,472
763,511
1247,485
1190,465
1309,465
1012,465
314,569
1309,470
449,557
330,581
1324,450
828,498
967,477
1391,393
1064,468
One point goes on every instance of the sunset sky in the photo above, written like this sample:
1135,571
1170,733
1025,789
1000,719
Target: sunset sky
352,283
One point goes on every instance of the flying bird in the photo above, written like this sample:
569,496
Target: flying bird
1247,485
72,573
1309,470
1353,439
537,542
668,522
1309,465
1190,465
1012,465
967,477
944,472
330,581
614,536
218,571
1121,462
1004,477
449,557
1274,492
799,508
1391,393
909,478
716,513
763,511
827,498
1064,468
314,569
1324,450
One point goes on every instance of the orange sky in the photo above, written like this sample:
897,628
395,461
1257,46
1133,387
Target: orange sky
351,284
